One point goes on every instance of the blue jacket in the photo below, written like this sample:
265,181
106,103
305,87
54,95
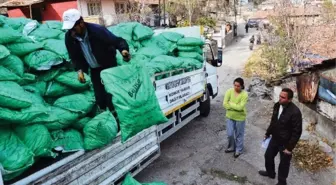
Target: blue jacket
103,45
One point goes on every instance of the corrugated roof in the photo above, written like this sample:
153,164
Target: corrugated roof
16,3
322,40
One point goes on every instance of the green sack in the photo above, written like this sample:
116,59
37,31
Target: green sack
193,55
17,23
15,157
190,49
57,118
61,36
77,103
4,52
7,75
55,89
58,47
42,60
22,49
134,99
190,41
41,34
142,32
37,138
79,125
54,24
13,96
27,78
151,52
160,42
172,36
50,74
29,27
129,180
140,59
70,79
100,131
191,63
8,35
38,87
2,20
124,30
25,39
25,116
14,64
70,140
171,63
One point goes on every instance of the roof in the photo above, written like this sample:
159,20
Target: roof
322,40
263,14
292,11
16,3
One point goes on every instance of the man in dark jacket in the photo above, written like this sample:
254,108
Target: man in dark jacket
92,47
285,129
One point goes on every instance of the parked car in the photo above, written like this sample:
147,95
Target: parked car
253,23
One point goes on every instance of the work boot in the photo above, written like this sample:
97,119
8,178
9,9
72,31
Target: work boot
265,174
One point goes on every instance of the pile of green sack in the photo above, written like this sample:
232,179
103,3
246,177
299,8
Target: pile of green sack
44,107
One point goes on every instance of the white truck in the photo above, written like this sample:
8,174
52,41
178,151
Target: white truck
181,97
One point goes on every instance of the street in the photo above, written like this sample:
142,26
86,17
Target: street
195,154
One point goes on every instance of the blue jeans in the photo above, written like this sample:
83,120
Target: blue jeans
235,132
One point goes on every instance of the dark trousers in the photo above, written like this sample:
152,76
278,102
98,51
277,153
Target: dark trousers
103,99
273,149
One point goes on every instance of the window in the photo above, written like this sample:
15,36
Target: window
120,8
94,8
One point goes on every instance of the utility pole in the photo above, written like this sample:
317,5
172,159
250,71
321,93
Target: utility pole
159,13
235,13
164,12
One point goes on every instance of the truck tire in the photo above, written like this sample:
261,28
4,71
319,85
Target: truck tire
205,105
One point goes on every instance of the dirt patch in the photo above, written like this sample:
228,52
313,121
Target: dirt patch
223,175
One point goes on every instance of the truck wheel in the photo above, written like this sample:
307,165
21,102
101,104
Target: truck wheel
205,105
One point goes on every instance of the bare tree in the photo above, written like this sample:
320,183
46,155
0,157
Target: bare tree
137,11
288,43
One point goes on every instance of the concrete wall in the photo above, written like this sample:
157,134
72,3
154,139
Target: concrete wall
17,12
325,127
54,11
228,38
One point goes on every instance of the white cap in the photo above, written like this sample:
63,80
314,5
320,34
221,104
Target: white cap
70,17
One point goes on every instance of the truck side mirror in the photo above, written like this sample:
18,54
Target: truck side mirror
214,55
219,61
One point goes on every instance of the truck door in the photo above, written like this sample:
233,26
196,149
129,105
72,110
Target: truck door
213,56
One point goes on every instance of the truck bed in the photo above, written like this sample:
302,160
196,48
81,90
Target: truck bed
109,164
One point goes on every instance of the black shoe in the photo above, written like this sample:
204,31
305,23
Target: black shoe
236,155
281,183
229,151
265,174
